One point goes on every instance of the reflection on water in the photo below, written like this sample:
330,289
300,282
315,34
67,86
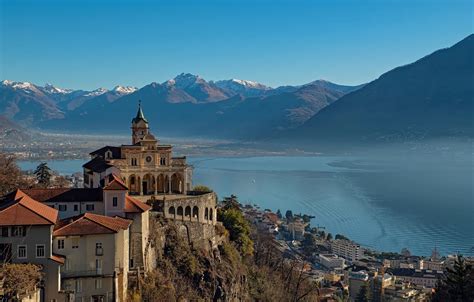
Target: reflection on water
384,203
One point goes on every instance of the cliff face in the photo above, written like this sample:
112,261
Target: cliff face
188,270
239,263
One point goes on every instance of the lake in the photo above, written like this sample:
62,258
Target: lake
386,203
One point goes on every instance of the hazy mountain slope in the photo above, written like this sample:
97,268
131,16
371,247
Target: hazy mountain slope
260,117
431,97
174,112
26,103
11,132
184,106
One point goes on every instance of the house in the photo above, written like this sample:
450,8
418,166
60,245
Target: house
111,200
26,237
96,250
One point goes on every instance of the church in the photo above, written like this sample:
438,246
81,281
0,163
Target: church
145,166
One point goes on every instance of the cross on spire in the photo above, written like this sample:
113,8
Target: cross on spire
140,115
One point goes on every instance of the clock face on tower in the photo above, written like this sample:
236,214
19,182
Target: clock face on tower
148,159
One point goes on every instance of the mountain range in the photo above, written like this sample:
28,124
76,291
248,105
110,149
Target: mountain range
185,105
431,97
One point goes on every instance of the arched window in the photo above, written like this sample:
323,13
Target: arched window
187,211
108,154
180,211
206,214
211,214
171,211
196,212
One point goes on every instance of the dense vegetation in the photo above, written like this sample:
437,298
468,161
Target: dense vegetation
19,280
458,283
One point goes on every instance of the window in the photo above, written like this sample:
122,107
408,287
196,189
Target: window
114,202
18,231
134,162
98,283
21,251
98,249
98,266
60,244
62,208
163,161
76,207
89,207
40,253
4,232
78,285
75,243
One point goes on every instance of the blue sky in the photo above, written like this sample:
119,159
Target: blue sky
90,44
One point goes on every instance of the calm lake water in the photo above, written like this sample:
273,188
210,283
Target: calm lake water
383,203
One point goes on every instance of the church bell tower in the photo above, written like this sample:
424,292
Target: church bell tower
139,126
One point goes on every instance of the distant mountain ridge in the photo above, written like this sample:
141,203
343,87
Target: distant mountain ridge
202,105
431,97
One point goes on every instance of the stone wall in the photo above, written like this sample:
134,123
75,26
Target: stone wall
198,208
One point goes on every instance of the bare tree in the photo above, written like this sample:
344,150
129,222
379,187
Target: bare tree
19,280
10,174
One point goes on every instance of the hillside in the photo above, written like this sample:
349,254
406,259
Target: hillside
11,132
175,112
432,97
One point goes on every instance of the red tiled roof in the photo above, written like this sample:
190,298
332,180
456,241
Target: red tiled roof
89,223
58,258
133,205
272,217
20,209
115,183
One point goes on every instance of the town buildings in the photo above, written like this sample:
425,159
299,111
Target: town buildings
347,249
90,240
331,261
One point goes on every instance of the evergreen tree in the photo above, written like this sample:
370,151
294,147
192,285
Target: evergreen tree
43,175
364,294
289,215
458,284
278,213
329,237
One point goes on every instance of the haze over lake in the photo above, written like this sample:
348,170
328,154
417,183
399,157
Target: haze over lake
414,199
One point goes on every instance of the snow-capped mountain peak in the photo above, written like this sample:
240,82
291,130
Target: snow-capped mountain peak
236,84
124,89
96,92
18,85
49,88
184,80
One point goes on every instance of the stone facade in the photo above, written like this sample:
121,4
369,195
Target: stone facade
152,174
146,166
